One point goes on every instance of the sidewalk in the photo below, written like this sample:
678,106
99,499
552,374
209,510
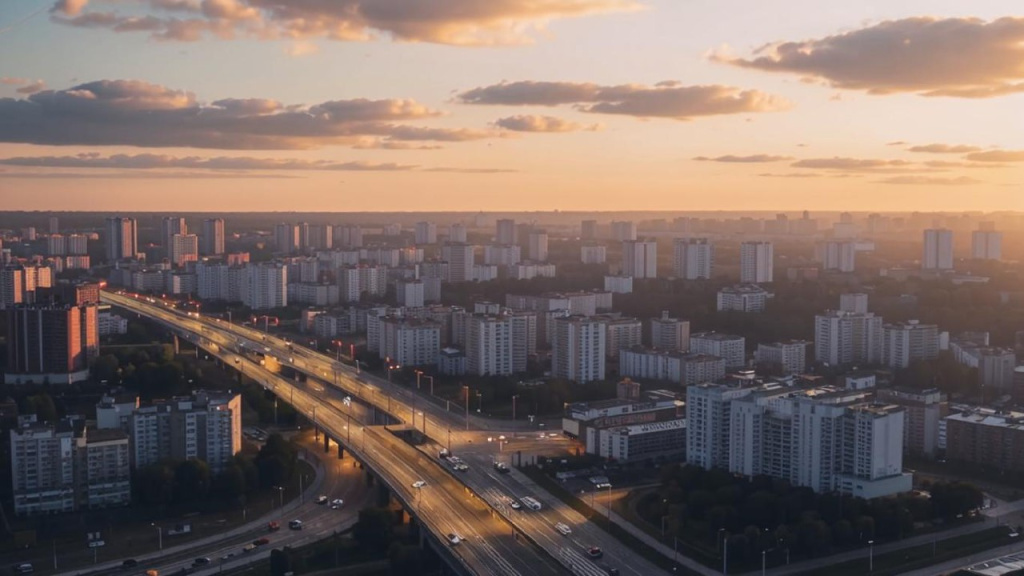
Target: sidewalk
262,521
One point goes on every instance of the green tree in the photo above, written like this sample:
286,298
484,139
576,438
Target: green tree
373,530
280,562
191,481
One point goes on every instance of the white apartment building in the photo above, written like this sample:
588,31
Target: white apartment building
538,246
907,342
206,426
489,345
757,262
708,417
506,231
727,346
839,256
184,248
409,341
987,245
266,286
640,258
457,232
791,355
843,338
460,262
426,233
484,273
938,250
624,231
410,293
593,254
670,334
77,244
856,303
528,270
618,284
578,349
692,258
743,298
212,239
502,254
56,245
621,333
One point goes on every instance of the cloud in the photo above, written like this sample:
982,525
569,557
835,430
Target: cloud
896,143
752,159
135,113
233,164
456,22
14,81
955,57
377,144
140,175
861,165
533,123
32,88
944,149
791,175
929,181
664,100
997,156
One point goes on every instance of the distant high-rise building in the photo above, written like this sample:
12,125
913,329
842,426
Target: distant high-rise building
593,254
51,344
56,245
907,342
588,230
670,334
987,245
265,286
122,239
502,255
316,237
184,248
624,231
212,240
169,227
578,349
757,262
506,231
457,232
640,259
206,426
743,298
790,355
54,225
854,302
938,250
426,233
12,286
489,345
460,258
77,244
842,338
410,293
840,256
28,234
286,238
538,245
692,258
730,347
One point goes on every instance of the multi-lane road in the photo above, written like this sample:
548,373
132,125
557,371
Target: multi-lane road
443,505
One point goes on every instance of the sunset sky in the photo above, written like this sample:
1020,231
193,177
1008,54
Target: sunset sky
417,105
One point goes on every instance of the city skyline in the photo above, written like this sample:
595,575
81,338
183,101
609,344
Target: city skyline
565,104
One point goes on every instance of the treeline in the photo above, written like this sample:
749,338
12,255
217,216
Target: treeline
189,484
151,371
702,508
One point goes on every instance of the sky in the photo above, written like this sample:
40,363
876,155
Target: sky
442,105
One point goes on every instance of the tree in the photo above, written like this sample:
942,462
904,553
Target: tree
191,481
154,484
280,562
405,560
41,405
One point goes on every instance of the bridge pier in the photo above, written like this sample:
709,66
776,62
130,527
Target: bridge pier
341,451
383,495
327,443
177,345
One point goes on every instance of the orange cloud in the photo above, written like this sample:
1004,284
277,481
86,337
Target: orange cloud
533,123
456,22
997,156
955,57
944,149
754,158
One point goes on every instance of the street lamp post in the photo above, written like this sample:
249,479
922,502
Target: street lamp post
480,400
871,555
466,390
160,535
763,563
280,507
725,551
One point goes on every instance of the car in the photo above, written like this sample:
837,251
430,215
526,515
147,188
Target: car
563,528
337,503
261,541
444,453
515,505
273,526
201,561
295,525
25,568
419,484
454,539
603,486
501,467
227,556
595,552
129,563
321,499
249,548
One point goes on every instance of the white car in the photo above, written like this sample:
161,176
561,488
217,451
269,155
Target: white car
563,528
454,539
419,484
337,503
321,499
